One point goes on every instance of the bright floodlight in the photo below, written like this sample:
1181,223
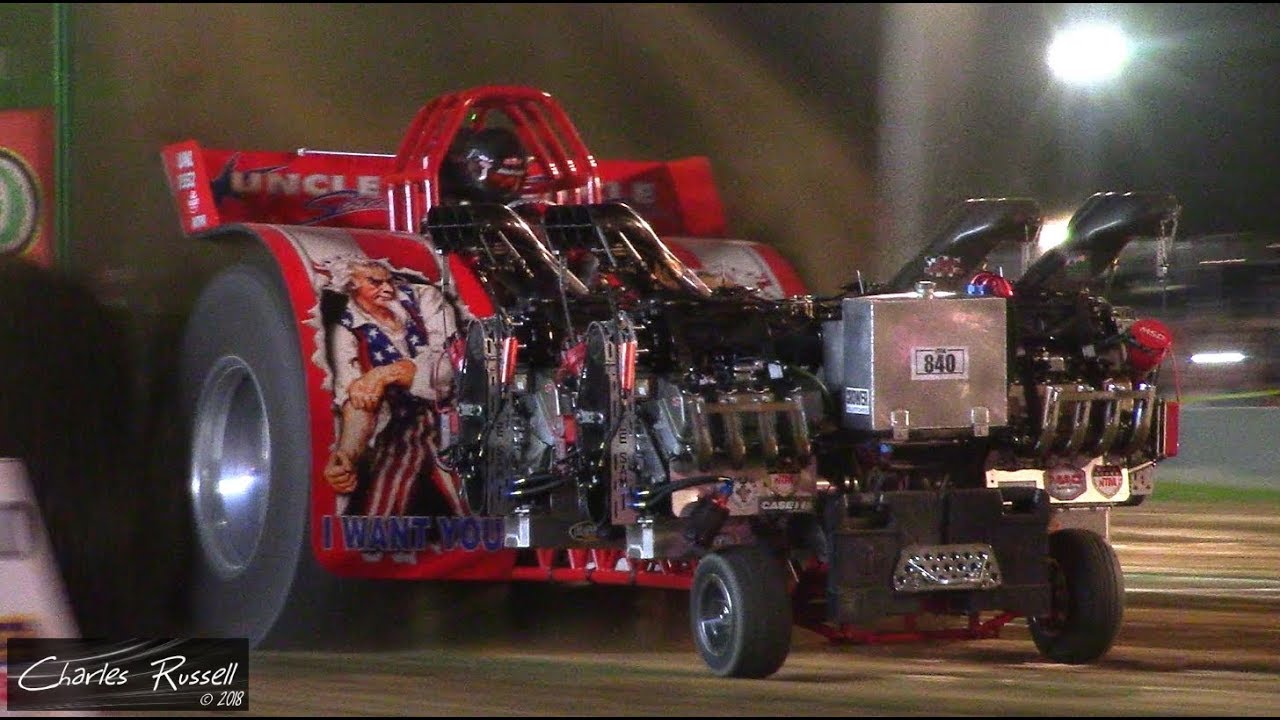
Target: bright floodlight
1088,54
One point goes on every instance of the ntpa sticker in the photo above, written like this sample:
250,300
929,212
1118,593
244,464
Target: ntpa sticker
1108,479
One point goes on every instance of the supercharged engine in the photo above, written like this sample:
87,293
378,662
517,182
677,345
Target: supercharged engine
638,395
978,418
615,390
1085,373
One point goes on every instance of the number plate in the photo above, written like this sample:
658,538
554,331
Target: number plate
940,363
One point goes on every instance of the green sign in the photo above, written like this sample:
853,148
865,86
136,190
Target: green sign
19,203
34,77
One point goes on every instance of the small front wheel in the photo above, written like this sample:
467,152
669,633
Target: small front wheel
1087,604
740,610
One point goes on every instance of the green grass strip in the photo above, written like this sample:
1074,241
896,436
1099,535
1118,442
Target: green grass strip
1180,491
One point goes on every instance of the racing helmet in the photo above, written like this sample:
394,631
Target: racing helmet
486,165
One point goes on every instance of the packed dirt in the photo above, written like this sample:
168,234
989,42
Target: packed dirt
1200,638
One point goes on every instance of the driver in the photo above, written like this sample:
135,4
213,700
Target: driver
485,166
490,166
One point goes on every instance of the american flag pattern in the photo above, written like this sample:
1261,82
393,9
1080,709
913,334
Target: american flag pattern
403,453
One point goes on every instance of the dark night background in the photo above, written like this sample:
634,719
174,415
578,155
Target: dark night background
838,132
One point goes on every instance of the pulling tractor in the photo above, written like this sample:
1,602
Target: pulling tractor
618,394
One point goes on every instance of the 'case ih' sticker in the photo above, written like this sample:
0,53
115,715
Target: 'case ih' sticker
19,203
776,504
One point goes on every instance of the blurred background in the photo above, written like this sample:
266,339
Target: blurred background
839,132
790,135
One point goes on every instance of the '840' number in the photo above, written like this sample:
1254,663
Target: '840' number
939,363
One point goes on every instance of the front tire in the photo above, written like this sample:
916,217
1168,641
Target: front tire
740,612
1087,606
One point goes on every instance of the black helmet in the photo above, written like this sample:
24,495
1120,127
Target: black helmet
488,165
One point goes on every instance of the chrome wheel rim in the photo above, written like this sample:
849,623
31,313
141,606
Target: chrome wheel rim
230,466
715,617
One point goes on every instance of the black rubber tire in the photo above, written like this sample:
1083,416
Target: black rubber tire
1087,586
280,597
70,398
243,313
740,612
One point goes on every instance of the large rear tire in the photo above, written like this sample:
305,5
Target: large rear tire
1087,606
740,612
243,393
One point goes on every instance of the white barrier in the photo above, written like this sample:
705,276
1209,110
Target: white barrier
33,599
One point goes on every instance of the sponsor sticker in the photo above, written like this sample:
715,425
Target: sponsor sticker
1107,479
783,484
857,401
1065,482
786,504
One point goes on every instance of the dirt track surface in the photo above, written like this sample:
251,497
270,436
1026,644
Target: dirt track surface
1201,637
